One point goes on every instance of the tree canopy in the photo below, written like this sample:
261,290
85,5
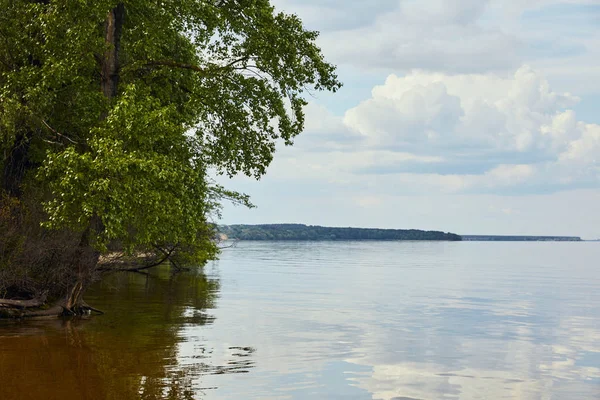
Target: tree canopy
201,84
112,113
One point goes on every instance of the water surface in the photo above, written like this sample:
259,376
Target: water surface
330,320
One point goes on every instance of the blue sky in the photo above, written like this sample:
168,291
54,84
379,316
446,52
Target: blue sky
471,116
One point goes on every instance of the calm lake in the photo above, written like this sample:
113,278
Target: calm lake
329,320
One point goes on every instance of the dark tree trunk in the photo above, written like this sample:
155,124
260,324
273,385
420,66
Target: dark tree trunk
16,163
110,64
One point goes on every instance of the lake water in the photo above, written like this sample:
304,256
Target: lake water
329,320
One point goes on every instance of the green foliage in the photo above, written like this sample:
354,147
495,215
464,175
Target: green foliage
304,232
203,85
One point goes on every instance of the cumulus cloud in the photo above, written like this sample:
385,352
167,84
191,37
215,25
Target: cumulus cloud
518,113
487,131
437,133
393,115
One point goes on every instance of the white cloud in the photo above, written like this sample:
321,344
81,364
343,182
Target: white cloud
328,15
498,131
463,36
393,115
585,149
443,12
437,133
517,7
519,113
510,174
398,41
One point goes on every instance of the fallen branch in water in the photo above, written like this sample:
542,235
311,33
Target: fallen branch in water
36,302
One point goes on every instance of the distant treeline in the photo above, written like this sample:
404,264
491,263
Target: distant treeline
312,232
497,238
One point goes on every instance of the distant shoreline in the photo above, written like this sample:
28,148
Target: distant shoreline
301,232
517,238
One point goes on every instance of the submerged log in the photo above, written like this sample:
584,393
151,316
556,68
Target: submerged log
19,313
21,303
73,305
57,310
37,302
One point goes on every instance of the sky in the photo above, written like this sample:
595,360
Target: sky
468,116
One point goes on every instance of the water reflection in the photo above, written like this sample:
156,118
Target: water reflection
420,321
132,352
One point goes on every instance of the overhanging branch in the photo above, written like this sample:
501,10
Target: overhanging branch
193,67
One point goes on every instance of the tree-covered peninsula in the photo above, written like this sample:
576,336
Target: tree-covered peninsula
313,232
111,114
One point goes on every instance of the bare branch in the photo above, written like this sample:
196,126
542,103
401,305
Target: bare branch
56,132
176,64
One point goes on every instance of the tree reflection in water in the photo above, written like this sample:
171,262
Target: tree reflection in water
132,352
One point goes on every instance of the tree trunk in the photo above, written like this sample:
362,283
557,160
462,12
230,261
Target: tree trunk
17,161
88,258
15,165
111,63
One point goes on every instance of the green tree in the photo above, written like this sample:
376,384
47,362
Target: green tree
112,112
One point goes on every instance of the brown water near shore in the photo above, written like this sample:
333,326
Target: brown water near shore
129,353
